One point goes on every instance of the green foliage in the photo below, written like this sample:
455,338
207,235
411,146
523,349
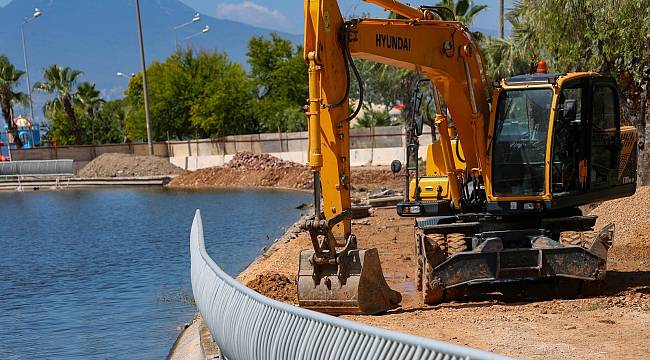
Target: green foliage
191,95
373,118
224,94
61,81
504,58
604,36
383,85
279,77
464,10
108,124
9,80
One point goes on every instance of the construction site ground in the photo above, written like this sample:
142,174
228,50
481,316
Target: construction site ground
615,324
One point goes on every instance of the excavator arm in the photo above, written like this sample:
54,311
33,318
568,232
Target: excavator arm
445,52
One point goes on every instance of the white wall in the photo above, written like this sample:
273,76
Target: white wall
358,157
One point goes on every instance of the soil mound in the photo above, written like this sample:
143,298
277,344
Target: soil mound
246,160
275,286
221,177
126,165
631,216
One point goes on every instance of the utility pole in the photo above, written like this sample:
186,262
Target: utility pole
144,79
26,20
501,18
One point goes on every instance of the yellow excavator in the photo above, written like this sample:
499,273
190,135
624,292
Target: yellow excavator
511,164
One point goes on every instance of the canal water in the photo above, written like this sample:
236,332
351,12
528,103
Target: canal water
104,274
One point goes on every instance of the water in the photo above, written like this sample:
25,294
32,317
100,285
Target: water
104,274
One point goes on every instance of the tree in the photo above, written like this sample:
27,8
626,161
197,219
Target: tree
223,104
89,98
192,96
170,95
9,79
61,81
279,77
464,11
109,122
604,36
504,58
373,118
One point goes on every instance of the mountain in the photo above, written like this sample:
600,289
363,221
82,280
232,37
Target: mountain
99,37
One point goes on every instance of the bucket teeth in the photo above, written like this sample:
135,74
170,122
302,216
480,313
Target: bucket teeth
357,287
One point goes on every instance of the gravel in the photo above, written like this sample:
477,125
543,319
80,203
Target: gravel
246,160
126,165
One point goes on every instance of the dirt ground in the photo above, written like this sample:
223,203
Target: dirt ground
126,165
615,324
262,170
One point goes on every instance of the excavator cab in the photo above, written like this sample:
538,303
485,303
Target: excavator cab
555,142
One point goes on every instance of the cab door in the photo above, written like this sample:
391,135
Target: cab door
570,145
605,134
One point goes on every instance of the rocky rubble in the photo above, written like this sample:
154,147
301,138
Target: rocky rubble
246,160
262,170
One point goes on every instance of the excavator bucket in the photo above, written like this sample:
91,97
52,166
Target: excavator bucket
357,286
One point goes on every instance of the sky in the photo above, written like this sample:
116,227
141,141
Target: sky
287,15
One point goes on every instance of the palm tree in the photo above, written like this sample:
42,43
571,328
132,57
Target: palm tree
504,57
9,78
464,10
62,80
90,99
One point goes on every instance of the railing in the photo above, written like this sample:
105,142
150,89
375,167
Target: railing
247,325
37,168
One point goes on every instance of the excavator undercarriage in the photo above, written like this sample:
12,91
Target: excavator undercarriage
451,256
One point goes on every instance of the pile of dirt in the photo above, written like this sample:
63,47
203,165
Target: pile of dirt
221,177
275,286
262,170
631,216
126,165
376,178
246,160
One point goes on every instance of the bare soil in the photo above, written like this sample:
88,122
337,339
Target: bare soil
126,165
615,324
276,286
262,170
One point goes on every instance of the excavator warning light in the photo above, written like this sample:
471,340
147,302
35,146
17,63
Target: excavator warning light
542,68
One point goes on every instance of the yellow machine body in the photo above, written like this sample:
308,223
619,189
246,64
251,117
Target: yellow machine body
492,168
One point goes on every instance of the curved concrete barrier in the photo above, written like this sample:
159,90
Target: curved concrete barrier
247,325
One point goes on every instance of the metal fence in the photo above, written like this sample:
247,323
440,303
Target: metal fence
37,168
247,325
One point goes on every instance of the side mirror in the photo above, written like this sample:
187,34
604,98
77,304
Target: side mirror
396,166
569,111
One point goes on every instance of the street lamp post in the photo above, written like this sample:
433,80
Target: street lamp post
36,14
144,78
203,31
121,74
195,18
